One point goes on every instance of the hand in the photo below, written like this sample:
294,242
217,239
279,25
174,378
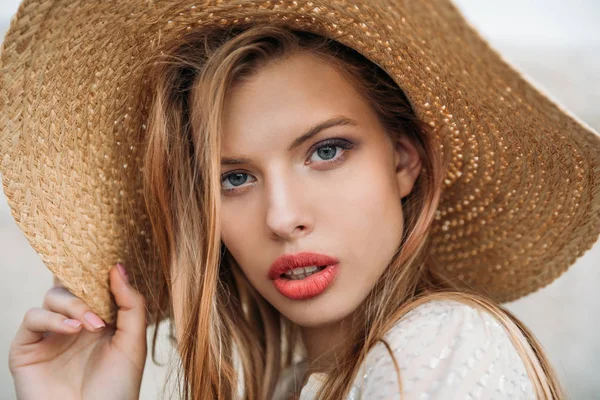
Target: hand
48,356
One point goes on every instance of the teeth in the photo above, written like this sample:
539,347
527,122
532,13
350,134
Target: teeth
303,272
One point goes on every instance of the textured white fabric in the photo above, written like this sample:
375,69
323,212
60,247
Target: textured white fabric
445,350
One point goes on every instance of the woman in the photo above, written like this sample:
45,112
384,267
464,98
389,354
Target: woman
324,281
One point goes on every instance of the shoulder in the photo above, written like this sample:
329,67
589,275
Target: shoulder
445,347
454,319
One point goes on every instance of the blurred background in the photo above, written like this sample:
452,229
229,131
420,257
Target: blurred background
556,44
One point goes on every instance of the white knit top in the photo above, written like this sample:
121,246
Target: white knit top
445,350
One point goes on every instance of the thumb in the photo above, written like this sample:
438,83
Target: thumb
131,315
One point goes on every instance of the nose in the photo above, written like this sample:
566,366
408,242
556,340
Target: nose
287,210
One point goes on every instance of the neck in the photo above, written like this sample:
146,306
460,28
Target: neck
324,342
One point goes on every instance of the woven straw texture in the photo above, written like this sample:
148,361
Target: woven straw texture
521,200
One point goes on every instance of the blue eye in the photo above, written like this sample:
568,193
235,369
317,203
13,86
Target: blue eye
327,152
326,149
237,178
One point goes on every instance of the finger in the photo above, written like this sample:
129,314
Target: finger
131,315
56,282
60,300
38,321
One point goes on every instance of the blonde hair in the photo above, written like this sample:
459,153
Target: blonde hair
225,321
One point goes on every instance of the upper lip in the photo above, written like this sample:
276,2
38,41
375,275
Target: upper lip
287,262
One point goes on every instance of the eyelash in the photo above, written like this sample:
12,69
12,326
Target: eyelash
344,144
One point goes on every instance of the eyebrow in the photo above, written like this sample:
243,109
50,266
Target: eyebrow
336,121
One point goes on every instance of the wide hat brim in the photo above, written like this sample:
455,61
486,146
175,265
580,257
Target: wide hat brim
521,198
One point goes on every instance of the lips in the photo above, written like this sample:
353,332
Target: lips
287,262
310,286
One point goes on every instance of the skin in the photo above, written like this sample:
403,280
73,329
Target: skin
49,357
291,201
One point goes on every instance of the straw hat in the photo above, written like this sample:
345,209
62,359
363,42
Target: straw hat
521,199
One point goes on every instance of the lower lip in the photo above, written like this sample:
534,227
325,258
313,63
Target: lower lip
311,286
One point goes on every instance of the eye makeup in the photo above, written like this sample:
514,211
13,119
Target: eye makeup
344,145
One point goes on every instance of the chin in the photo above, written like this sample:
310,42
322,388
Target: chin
314,313
311,321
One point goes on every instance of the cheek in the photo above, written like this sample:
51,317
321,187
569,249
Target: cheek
372,220
235,228
370,203
240,234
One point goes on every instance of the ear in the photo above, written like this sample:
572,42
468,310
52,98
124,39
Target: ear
408,165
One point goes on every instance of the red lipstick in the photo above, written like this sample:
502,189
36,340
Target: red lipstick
310,286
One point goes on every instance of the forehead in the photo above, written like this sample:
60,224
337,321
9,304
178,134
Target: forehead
287,96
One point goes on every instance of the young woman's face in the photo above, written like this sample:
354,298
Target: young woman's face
341,199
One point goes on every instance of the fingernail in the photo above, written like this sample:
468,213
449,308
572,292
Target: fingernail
73,323
94,320
122,271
